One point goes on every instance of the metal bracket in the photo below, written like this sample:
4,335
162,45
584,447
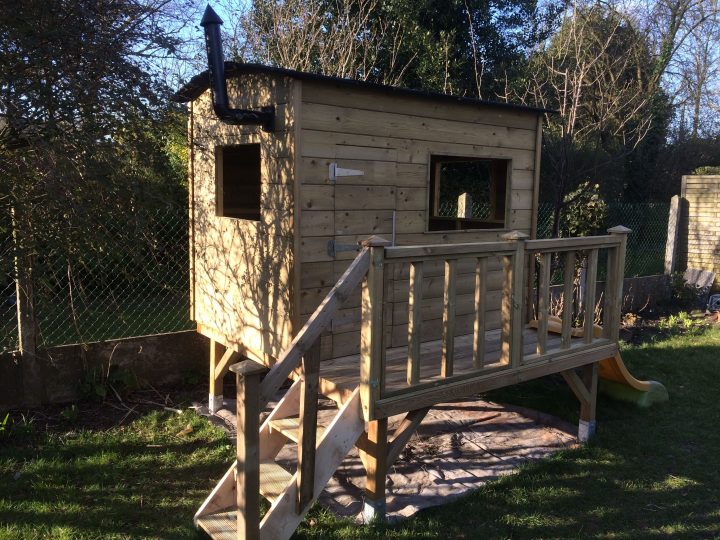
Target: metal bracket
333,248
335,172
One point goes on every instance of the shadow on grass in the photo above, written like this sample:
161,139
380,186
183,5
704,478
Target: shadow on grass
139,481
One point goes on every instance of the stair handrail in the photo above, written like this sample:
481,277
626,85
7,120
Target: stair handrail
316,324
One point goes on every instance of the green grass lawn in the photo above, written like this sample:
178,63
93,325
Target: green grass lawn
649,473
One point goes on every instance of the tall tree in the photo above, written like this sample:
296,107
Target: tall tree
86,126
464,47
596,71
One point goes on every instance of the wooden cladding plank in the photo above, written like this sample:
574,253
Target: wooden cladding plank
480,309
568,292
372,100
448,339
414,322
432,308
433,285
336,146
317,223
412,198
317,197
366,122
364,197
590,286
317,171
521,199
544,301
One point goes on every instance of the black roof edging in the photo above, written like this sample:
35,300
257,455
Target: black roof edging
201,82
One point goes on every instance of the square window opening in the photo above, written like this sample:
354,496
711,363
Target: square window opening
238,181
468,193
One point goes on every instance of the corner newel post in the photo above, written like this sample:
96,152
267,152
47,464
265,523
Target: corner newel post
372,348
616,271
372,374
513,300
247,470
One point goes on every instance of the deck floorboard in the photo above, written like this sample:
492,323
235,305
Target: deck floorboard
345,371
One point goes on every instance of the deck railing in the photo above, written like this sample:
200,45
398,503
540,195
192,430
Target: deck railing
513,364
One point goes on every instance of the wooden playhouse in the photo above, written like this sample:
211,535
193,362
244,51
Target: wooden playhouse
374,245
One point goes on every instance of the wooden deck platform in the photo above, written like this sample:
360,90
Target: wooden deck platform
344,372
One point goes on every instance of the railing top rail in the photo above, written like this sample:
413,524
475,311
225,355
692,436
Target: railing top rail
570,244
315,325
437,251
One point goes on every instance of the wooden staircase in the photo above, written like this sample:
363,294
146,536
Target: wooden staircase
218,514
232,510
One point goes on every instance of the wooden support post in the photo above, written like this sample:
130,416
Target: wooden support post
307,432
448,333
585,389
568,299
215,398
372,347
376,465
247,475
513,301
615,282
586,428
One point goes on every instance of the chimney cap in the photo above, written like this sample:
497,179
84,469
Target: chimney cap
210,17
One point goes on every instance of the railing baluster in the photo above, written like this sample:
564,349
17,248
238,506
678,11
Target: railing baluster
448,338
307,432
543,302
590,286
414,322
480,308
568,293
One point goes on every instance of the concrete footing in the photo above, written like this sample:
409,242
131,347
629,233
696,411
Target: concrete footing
586,429
373,510
215,403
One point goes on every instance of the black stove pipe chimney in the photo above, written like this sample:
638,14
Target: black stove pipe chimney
216,71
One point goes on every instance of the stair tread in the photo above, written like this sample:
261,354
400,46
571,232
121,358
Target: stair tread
290,428
273,480
220,526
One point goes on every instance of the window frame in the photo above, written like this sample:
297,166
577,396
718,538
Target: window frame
432,200
219,151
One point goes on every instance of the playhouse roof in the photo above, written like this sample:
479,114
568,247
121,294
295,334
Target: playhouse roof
201,82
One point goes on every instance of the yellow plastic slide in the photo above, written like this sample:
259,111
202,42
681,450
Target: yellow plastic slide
615,379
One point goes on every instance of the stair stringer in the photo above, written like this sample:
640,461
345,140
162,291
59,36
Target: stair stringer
339,438
224,495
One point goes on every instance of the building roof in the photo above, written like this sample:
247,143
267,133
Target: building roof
201,82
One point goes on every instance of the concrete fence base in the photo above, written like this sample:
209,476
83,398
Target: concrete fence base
161,359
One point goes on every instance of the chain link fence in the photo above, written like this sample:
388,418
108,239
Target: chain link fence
8,311
646,244
132,278
129,279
